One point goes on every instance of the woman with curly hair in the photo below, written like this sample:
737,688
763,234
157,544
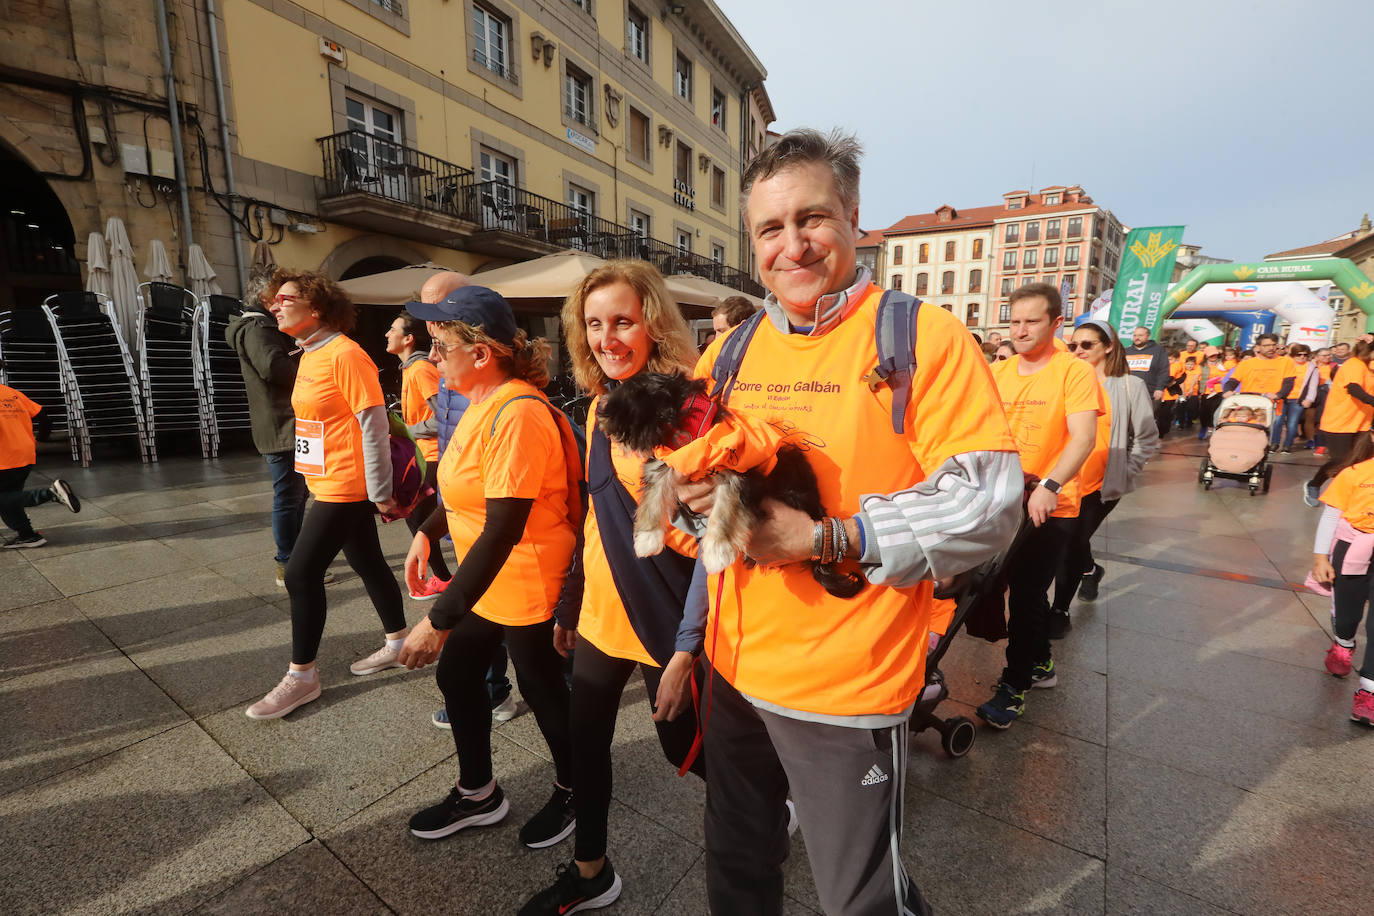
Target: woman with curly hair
618,322
342,450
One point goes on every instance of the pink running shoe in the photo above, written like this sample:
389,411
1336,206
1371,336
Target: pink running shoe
431,589
1363,708
382,659
1339,659
291,693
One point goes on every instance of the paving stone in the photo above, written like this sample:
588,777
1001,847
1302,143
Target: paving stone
688,898
158,827
335,756
153,608
118,565
308,879
89,530
1249,853
21,585
173,522
1131,895
226,542
62,717
486,870
40,637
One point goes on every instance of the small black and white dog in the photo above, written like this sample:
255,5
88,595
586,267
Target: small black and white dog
655,409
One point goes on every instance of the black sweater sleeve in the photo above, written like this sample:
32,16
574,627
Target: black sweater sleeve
1359,394
1287,387
504,527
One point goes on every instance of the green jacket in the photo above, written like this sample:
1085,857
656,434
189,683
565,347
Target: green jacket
269,374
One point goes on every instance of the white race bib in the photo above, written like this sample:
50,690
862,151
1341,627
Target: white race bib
310,447
1138,362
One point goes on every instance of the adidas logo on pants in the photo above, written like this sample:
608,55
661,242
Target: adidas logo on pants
873,776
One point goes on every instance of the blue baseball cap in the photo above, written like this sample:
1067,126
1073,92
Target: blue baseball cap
475,306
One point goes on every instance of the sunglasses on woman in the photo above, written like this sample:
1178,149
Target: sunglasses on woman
285,299
1073,345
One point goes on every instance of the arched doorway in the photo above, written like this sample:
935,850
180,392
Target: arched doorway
372,265
37,242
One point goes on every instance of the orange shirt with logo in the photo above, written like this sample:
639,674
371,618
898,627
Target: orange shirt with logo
1343,413
419,383
1352,491
333,384
17,446
1095,468
516,455
777,635
1037,408
604,622
1265,376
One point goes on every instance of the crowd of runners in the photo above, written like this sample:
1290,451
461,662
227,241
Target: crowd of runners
789,699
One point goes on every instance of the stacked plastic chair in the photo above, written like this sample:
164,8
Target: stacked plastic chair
171,363
224,377
29,355
98,380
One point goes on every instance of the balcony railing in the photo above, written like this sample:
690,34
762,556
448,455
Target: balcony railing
358,161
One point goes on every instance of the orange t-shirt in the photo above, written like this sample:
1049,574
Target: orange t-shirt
333,384
1352,491
604,622
17,446
1038,406
1324,370
777,635
419,383
1191,378
1175,368
1265,376
518,454
1342,413
1228,364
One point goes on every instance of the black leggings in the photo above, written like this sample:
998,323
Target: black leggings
1338,446
1350,595
327,529
421,512
1030,570
1078,553
462,678
598,682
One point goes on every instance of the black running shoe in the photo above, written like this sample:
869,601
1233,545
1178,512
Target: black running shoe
19,543
458,811
1087,589
553,823
572,893
65,494
1060,623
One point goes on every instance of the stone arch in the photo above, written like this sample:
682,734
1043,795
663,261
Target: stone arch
368,246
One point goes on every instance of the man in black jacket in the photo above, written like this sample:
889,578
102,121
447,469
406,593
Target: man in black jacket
269,374
1147,361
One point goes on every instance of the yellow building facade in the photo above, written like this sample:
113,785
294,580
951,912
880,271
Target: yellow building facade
475,133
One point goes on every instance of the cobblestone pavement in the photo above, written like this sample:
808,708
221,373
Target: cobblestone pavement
1195,757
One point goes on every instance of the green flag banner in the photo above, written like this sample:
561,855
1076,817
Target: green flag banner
1147,264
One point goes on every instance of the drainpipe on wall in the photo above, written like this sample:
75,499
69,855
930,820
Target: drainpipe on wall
224,140
175,118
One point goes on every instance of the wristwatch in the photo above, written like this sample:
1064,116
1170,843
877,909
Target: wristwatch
1053,486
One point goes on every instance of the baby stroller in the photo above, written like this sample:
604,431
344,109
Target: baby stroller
1239,447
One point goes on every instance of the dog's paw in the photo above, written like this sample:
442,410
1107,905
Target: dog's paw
717,554
648,543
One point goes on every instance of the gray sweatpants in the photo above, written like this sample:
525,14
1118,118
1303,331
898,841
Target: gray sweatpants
847,784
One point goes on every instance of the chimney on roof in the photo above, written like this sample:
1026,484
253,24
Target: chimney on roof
1073,194
1365,227
945,214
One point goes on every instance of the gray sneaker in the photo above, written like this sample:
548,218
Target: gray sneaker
291,693
1311,495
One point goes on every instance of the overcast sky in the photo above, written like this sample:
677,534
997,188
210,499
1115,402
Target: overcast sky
1249,121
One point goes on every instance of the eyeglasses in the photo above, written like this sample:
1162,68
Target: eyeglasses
285,299
1085,344
441,349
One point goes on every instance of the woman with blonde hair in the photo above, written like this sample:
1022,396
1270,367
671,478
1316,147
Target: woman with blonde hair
618,322
511,502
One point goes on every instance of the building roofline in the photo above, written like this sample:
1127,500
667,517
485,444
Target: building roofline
714,20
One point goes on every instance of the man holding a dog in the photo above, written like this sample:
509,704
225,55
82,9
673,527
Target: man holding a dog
809,691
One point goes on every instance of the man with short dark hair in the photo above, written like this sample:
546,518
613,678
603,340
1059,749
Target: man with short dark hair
731,311
811,692
1052,400
1340,352
1148,361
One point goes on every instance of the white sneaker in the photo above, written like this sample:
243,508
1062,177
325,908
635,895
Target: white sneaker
506,710
291,693
382,659
792,823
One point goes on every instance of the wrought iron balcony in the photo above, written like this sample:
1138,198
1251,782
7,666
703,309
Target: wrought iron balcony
388,187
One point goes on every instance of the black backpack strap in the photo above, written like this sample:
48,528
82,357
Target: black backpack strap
731,356
894,333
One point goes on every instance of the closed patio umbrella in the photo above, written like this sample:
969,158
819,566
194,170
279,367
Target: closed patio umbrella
689,289
158,268
553,276
97,265
391,287
200,274
123,277
262,256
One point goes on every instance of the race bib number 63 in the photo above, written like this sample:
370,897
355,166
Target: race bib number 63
310,447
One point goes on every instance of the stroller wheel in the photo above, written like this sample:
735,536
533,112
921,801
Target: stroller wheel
957,736
1202,471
